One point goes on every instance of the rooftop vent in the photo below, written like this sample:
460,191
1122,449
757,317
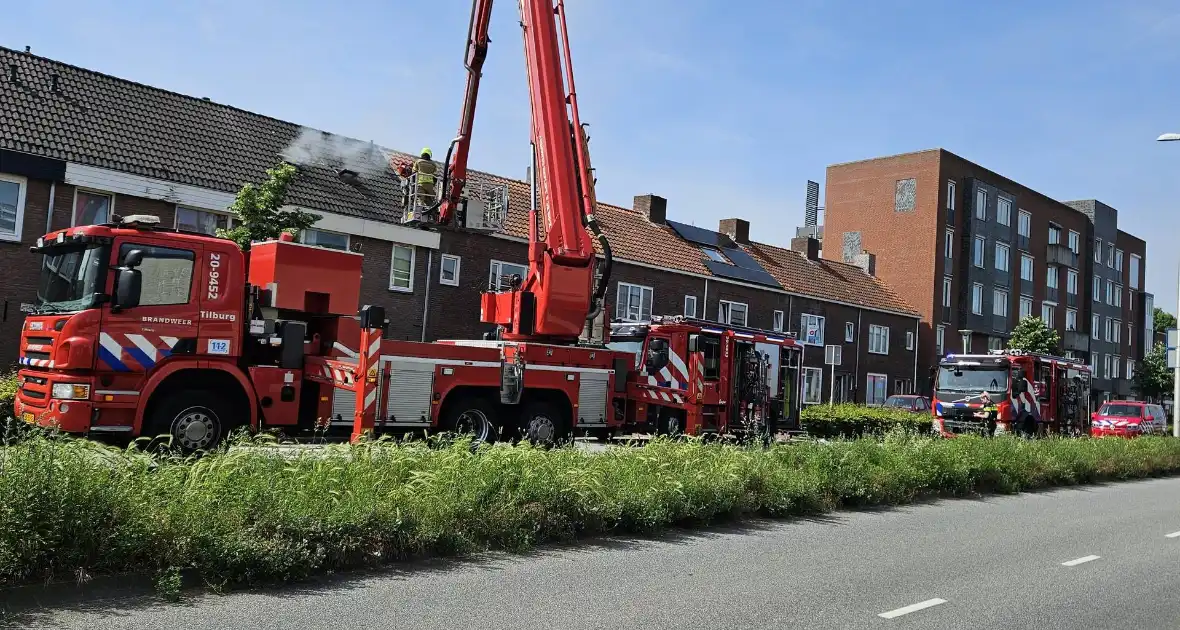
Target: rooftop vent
348,177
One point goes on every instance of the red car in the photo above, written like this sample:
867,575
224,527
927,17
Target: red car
1128,418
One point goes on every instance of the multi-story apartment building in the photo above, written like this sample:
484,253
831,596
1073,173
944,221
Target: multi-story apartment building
77,146
975,252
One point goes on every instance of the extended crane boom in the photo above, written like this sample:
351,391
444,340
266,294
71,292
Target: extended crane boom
560,292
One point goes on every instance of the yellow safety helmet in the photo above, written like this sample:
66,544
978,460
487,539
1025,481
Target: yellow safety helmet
425,152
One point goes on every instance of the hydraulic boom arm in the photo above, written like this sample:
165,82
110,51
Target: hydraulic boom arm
560,292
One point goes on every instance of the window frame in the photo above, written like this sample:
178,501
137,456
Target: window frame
442,265
1054,229
948,248
1024,299
1096,289
1095,326
996,294
644,290
1098,250
229,217
745,312
981,208
979,252
1074,242
849,332
1049,321
823,329
1032,267
347,239
877,333
96,193
940,339
779,321
1052,277
819,388
1074,313
946,291
413,265
870,378
1024,223
492,275
22,189
1006,258
132,244
909,340
1072,278
1004,211
1136,263
951,188
694,306
977,305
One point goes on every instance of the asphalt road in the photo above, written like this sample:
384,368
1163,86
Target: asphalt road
1097,557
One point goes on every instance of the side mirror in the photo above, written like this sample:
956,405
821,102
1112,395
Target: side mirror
694,343
128,285
133,259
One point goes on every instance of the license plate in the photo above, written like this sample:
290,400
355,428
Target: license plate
28,417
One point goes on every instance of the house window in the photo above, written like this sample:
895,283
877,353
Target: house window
448,270
778,321
91,208
12,206
1130,369
732,313
1110,292
813,386
201,221
1098,250
981,205
1071,319
1095,326
977,298
1054,234
877,389
401,269
909,340
1001,257
500,276
946,291
1024,224
999,302
1115,366
878,339
1004,211
1097,289
948,248
1048,309
995,343
1118,260
977,251
1136,261
714,255
634,303
1075,242
849,332
1071,282
1116,331
1110,255
167,274
1026,267
690,306
330,240
811,327
950,194
1051,276
940,339
905,194
1025,307
1118,295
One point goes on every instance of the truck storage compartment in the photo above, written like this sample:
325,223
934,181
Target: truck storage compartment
305,278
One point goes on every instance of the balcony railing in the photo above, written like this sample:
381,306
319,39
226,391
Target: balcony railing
1076,340
1058,254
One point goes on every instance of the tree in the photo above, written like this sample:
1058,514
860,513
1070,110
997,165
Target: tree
258,213
1162,320
1032,335
1152,378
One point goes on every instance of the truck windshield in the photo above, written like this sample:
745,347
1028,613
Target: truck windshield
964,378
70,278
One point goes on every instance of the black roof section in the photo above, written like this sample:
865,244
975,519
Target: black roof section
744,267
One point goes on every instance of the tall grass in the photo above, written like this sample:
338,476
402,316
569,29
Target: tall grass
256,515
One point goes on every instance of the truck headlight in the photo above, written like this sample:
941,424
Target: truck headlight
71,391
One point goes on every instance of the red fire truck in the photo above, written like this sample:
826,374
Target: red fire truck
142,330
1012,391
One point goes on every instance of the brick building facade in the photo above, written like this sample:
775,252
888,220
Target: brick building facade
975,252
141,150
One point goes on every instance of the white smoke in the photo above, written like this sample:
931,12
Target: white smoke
316,148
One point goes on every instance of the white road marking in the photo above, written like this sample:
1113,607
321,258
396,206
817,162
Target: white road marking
1074,563
912,608
1173,535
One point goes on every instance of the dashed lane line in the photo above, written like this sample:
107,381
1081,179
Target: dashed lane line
1083,560
1172,535
905,610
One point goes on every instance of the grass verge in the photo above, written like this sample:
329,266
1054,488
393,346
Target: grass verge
251,515
853,421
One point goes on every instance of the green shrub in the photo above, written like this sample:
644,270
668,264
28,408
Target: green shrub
254,515
853,421
7,394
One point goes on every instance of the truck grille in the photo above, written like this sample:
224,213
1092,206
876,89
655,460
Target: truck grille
39,341
36,356
32,394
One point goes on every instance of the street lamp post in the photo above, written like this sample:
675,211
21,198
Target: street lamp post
1172,137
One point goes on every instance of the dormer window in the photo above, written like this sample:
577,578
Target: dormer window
714,255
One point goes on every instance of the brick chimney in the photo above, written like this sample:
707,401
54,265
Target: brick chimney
736,229
867,262
654,207
807,246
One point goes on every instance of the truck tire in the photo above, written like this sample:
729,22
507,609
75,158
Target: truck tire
543,424
472,416
670,424
195,420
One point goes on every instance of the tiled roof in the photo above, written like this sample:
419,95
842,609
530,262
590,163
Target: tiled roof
103,121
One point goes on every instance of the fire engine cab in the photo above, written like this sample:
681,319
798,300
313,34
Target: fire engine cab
1012,391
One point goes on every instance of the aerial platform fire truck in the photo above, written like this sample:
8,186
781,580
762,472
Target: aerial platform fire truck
1009,391
142,330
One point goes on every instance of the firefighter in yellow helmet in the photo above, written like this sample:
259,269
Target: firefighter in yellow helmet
424,171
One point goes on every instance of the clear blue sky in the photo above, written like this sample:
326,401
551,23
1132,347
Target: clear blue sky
725,108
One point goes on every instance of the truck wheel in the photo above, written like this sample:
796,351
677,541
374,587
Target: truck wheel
194,420
472,416
544,425
670,424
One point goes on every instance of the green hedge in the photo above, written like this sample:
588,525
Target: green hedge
853,421
254,515
7,393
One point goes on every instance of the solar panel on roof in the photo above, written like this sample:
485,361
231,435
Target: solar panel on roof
744,267
734,272
700,236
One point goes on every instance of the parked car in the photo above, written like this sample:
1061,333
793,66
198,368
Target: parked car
1128,418
909,402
